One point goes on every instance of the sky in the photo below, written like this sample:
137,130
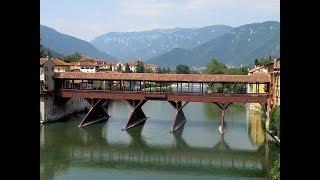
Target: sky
87,19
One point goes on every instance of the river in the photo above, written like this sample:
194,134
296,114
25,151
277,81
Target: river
150,151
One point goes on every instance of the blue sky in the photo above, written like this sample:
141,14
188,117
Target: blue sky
86,19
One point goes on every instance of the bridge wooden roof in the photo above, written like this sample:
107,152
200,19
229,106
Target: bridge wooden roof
163,77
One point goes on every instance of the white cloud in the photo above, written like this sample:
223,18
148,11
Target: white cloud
59,20
233,4
145,8
138,15
80,29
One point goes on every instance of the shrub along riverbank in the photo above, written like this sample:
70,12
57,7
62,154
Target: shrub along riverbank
275,127
275,120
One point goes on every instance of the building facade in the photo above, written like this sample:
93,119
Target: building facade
86,67
274,69
52,66
42,77
48,111
152,67
255,88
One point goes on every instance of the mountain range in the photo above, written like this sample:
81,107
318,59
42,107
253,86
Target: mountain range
147,44
67,45
239,46
170,47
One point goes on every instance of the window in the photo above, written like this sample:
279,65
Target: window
45,77
58,69
52,68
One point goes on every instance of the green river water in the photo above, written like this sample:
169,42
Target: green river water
150,151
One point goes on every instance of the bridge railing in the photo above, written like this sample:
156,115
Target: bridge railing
219,89
159,93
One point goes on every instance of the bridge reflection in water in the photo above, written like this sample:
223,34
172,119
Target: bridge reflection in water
138,154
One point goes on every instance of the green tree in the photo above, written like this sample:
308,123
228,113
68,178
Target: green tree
256,62
263,62
148,70
237,71
127,68
275,120
42,52
119,68
140,67
182,69
49,55
275,171
72,58
193,71
110,67
162,70
159,70
215,67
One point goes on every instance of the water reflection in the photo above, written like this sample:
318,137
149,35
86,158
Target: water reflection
195,149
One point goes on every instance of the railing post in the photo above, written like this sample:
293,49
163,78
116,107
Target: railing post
149,86
177,87
81,84
165,83
223,86
202,88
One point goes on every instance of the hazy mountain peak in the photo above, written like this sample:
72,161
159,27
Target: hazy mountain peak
66,45
240,46
151,43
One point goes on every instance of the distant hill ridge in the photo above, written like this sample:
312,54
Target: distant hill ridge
170,47
151,43
67,45
239,46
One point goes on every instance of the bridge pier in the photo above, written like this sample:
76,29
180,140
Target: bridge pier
96,112
137,116
180,118
223,124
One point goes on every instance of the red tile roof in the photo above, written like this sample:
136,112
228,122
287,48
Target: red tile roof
42,61
81,63
58,62
165,77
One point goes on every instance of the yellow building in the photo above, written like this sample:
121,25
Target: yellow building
255,88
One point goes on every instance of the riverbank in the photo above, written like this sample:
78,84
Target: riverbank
49,112
63,117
